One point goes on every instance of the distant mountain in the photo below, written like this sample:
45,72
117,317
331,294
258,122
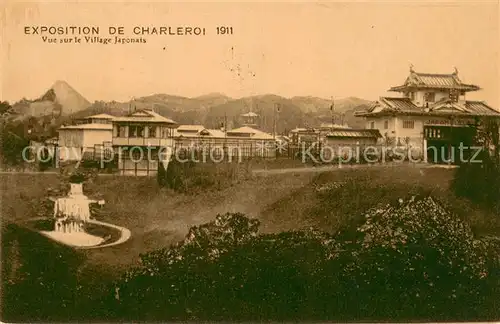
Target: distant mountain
60,99
288,117
321,105
213,110
63,104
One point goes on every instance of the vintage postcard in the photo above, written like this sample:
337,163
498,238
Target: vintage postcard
250,161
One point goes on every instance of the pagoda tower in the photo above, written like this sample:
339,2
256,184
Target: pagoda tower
250,118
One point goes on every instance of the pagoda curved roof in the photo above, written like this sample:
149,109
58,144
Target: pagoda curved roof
434,81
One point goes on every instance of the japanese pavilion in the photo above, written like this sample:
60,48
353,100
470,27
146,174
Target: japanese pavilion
431,114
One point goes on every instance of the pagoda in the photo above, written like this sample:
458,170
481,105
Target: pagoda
250,118
431,112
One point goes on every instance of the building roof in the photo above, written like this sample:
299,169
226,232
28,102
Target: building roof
250,132
434,81
100,116
238,133
387,105
144,115
190,128
304,130
94,126
250,114
404,104
216,133
355,133
330,125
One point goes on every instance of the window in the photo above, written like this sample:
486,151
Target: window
136,131
408,124
430,97
121,131
386,124
372,125
412,95
454,95
152,131
166,132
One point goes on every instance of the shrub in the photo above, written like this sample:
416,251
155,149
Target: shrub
39,281
45,160
191,177
479,182
77,177
423,257
411,260
12,146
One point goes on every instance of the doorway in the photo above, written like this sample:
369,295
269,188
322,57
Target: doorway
449,145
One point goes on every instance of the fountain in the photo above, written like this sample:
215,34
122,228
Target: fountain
71,213
72,222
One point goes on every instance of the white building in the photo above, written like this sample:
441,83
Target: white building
141,133
75,140
432,114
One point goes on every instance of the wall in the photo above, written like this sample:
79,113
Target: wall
395,131
92,137
70,144
380,123
71,137
420,97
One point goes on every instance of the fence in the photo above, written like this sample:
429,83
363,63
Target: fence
230,151
354,153
316,153
100,152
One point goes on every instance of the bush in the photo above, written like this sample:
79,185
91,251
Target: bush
410,260
191,177
423,257
39,281
77,177
45,161
479,182
12,146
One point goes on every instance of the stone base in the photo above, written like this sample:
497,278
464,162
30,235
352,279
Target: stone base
77,239
68,227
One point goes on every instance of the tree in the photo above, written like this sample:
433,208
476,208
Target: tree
5,108
479,179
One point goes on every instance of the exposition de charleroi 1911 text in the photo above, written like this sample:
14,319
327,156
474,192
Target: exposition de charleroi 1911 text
88,34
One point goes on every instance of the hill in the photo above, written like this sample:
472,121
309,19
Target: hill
322,105
212,110
63,103
60,99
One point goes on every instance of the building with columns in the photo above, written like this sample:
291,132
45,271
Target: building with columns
431,114
137,134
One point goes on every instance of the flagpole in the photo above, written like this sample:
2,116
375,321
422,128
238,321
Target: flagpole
332,107
274,121
225,133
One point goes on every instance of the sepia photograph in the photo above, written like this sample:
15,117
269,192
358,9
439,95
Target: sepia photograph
249,161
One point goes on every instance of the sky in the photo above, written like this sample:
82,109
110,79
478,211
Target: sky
328,50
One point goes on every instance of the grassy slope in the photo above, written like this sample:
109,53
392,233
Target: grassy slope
156,217
372,186
159,217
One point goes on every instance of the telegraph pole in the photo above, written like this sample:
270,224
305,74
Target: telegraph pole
332,107
276,108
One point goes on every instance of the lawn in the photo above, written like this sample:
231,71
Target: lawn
159,217
156,217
